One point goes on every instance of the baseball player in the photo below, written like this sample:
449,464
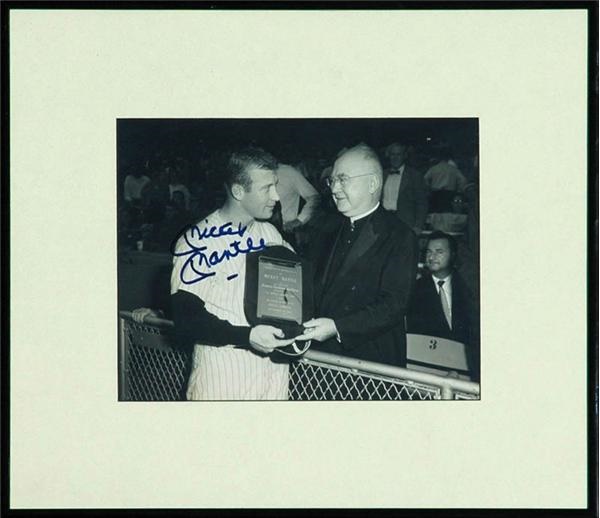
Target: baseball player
229,358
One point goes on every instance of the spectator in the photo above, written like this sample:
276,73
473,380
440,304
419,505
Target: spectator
468,249
453,221
156,195
404,192
441,304
292,186
178,201
177,180
134,185
166,232
444,179
128,228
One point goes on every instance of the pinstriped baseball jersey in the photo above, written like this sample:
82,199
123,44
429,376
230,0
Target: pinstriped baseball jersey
210,262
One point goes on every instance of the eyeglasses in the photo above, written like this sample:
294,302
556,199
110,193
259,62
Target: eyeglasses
343,179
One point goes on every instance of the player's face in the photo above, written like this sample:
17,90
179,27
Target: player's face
438,257
260,200
351,185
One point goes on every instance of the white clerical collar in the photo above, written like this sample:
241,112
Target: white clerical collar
364,214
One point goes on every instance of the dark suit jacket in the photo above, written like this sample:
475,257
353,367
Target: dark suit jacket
412,198
368,296
426,316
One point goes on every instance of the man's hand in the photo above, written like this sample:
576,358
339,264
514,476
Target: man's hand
264,339
319,329
290,226
140,314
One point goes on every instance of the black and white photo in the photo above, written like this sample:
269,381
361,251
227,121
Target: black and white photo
384,214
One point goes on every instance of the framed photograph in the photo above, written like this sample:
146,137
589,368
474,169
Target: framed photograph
441,166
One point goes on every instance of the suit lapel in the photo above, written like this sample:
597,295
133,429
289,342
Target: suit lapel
332,237
404,180
458,299
363,243
322,262
369,234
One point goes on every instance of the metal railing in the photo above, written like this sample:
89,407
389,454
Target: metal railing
324,376
151,369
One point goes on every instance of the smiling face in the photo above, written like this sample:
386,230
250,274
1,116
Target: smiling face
355,182
260,198
438,257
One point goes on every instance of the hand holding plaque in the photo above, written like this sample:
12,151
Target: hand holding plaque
278,292
264,339
319,329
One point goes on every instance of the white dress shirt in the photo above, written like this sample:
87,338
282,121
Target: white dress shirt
447,289
133,187
291,187
391,189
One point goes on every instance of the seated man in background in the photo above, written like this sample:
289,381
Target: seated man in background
441,304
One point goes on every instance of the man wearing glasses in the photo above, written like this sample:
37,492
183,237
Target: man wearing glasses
365,264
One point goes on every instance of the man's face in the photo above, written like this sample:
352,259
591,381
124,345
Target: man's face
397,156
260,200
351,185
438,257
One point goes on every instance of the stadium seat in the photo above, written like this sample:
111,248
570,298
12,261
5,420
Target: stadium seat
436,355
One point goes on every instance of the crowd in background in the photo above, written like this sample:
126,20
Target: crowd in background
160,195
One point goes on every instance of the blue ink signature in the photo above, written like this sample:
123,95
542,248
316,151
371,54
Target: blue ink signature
198,259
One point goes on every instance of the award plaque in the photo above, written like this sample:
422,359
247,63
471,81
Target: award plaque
278,290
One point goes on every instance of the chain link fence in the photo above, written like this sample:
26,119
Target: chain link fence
316,381
151,369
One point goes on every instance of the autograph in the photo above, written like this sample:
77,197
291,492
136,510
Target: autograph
198,260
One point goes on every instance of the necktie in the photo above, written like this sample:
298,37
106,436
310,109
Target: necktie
445,305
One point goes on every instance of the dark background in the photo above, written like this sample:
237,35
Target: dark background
291,139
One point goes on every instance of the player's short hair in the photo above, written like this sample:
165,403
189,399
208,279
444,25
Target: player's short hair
242,160
438,234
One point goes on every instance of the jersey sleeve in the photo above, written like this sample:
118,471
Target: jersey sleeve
194,324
